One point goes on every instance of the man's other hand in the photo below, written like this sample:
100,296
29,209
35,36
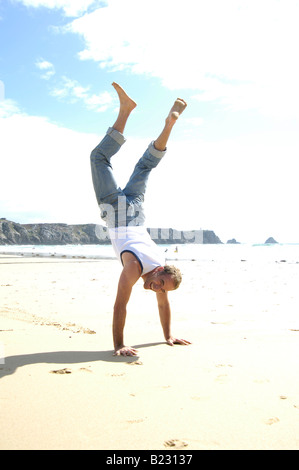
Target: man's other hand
172,341
125,351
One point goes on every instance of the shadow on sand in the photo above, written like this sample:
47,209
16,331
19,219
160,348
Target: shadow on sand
12,363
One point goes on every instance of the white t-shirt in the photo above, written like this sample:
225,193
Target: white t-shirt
137,240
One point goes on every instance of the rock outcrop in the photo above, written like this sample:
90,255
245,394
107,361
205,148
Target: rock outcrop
233,241
12,233
270,240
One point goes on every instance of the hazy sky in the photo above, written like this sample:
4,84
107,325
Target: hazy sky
232,159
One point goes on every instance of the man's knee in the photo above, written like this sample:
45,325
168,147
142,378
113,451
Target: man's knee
98,157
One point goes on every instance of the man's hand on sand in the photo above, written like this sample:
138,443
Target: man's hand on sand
172,341
125,351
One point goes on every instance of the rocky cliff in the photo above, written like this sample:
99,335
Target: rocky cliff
12,233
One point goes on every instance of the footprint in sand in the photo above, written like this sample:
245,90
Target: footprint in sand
221,378
85,369
261,381
136,421
272,421
175,444
196,398
61,371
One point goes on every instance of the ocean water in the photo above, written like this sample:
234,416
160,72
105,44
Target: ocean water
257,253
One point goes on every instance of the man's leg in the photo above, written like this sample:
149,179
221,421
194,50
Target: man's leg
136,185
177,109
105,186
103,180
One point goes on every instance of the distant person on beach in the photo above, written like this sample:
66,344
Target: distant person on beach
123,212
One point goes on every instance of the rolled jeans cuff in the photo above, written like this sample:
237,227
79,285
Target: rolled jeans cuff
116,135
156,153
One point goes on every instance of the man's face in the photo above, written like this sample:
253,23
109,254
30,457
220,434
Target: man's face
159,282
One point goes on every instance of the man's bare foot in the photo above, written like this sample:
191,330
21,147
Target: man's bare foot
177,109
126,103
126,106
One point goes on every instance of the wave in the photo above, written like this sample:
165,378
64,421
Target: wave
183,252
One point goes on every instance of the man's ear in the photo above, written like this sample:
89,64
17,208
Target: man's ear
159,268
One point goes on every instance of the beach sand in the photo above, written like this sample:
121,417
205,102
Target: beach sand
235,387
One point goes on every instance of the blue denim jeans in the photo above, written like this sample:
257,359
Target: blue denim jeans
121,207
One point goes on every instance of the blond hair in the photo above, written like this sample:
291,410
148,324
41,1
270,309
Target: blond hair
175,273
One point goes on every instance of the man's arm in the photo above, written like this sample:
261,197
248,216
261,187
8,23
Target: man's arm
129,276
165,319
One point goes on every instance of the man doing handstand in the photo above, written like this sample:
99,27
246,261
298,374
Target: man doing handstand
123,212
